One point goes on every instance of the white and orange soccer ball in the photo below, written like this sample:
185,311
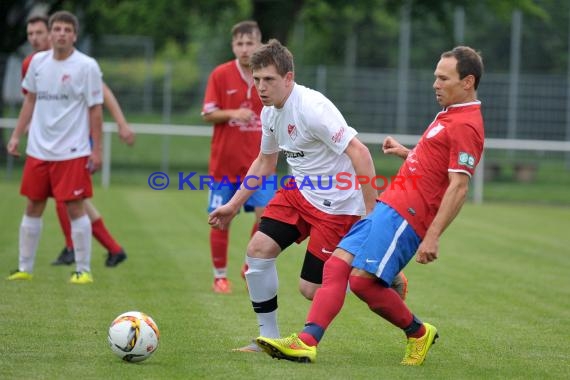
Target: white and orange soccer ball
133,336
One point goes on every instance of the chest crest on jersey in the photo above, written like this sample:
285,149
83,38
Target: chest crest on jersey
292,131
65,79
435,130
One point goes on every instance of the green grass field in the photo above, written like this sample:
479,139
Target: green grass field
499,295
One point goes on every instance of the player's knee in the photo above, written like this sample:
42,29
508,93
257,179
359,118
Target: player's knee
307,293
308,289
262,246
254,250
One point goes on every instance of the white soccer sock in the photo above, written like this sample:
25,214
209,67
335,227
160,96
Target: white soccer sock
262,283
30,231
220,272
81,236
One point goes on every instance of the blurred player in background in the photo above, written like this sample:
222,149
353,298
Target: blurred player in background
38,37
232,104
408,220
63,110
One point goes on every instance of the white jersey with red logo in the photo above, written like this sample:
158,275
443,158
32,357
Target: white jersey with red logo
313,135
59,129
453,142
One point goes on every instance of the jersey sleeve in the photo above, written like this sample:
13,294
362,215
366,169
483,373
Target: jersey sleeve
211,100
466,148
269,143
94,84
327,124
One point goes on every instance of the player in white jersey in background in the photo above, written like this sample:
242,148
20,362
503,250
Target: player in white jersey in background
318,144
63,107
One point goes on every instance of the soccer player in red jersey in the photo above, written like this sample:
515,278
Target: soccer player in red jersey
231,103
38,37
408,220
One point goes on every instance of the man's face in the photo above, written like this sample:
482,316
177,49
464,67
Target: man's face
449,89
38,35
243,45
62,35
272,88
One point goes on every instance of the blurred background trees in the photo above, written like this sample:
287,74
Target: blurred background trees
322,30
142,41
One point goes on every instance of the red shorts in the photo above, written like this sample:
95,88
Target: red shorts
324,230
63,180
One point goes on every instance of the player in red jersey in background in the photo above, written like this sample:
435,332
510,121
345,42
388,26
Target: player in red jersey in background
406,221
38,37
231,103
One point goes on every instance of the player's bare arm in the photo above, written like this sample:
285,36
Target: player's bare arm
126,133
392,146
363,166
451,204
23,121
263,165
96,129
221,116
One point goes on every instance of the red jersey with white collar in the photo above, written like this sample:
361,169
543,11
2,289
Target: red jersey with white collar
234,144
453,142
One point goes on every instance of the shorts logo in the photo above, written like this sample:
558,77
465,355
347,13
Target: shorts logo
326,252
466,159
77,192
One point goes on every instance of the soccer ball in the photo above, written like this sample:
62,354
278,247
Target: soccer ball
133,336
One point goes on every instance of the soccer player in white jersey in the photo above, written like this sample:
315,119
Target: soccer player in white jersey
318,144
408,220
63,107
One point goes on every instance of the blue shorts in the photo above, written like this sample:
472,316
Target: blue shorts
382,244
220,195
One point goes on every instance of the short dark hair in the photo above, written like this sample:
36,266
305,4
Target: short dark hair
273,53
37,18
66,17
246,27
469,62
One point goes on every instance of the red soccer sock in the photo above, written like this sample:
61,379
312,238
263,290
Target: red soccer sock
103,236
383,301
219,247
64,222
328,300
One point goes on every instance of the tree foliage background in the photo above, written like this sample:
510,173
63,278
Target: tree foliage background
357,33
319,29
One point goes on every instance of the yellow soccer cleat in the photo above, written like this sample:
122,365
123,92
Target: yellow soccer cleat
290,348
81,278
17,275
417,348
